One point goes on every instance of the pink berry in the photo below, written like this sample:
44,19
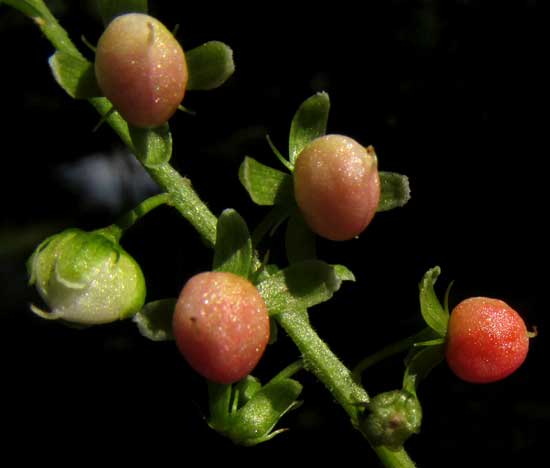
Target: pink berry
141,69
337,187
221,325
487,340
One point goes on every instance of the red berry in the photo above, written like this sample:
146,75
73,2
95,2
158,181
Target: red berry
221,325
141,69
487,340
337,187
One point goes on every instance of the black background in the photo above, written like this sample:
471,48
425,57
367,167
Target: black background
448,92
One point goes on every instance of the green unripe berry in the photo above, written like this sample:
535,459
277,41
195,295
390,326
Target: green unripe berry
337,186
86,278
141,69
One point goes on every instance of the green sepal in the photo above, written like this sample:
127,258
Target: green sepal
76,268
420,363
154,320
265,185
302,285
309,122
209,65
434,314
254,422
299,240
393,417
75,75
108,9
245,389
152,146
247,412
395,191
233,250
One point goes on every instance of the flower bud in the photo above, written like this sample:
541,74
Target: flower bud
394,416
86,278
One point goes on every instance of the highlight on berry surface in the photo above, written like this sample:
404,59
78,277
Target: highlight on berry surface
337,186
486,341
141,69
221,325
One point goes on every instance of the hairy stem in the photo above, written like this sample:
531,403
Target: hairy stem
321,361
183,196
318,357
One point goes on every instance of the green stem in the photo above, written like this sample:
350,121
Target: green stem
127,220
183,196
321,361
318,357
186,201
394,458
42,16
388,351
289,370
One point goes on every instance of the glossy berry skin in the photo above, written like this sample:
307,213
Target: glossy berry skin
337,186
221,326
141,69
487,340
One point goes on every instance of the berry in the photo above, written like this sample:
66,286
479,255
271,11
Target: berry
141,69
487,340
221,325
337,187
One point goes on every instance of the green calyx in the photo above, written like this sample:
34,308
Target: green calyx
394,416
247,412
86,278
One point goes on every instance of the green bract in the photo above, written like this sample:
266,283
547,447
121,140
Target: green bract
86,278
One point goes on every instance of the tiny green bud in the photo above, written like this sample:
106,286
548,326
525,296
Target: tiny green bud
86,278
394,416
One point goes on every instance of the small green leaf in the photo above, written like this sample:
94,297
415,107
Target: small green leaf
432,311
419,364
299,240
154,320
233,249
309,122
302,285
265,185
152,146
75,75
395,191
108,9
209,65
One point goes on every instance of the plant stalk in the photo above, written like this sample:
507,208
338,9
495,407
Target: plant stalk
318,357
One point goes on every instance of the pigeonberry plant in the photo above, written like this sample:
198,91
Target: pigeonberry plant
224,319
